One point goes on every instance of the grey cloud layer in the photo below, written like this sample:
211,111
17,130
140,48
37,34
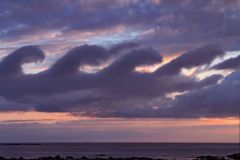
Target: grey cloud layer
114,91
170,25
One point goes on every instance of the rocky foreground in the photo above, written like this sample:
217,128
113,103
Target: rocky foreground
103,157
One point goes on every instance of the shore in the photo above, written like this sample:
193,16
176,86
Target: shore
104,157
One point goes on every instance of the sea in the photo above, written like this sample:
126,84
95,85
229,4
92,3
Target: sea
91,150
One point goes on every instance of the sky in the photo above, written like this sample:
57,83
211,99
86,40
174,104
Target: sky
119,71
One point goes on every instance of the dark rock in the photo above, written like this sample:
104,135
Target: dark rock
101,155
21,158
1,158
234,156
84,158
210,158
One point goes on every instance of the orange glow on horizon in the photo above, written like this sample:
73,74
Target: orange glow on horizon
44,117
33,116
151,129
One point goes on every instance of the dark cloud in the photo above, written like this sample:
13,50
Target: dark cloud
232,63
117,90
11,64
220,100
118,99
70,63
201,56
122,47
134,58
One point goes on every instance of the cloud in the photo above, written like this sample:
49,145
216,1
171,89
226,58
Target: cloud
134,58
101,80
168,26
123,46
232,63
219,100
116,90
78,56
11,64
6,105
201,56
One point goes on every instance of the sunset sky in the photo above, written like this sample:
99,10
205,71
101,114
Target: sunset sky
119,71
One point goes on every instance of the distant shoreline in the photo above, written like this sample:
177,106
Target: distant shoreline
19,144
104,157
41,143
118,151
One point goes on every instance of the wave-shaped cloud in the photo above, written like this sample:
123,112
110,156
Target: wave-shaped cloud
117,90
232,63
11,64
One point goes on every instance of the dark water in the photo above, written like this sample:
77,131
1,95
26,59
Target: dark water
164,150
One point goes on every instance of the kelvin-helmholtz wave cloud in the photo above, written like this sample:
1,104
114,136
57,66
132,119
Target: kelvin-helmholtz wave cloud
118,89
154,59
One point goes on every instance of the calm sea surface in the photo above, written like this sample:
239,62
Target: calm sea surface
164,150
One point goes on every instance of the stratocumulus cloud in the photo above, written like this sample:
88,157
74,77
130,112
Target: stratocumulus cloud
168,26
117,90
